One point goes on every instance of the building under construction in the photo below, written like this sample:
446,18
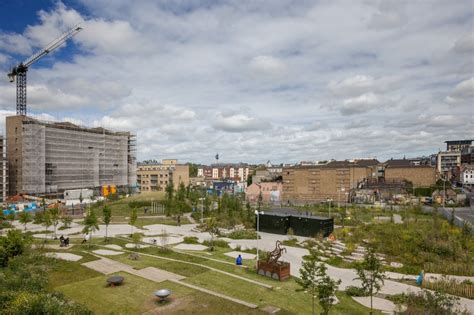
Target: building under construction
3,170
50,157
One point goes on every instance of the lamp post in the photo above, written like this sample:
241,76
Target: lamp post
329,201
258,214
202,209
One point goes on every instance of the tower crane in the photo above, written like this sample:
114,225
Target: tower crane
18,72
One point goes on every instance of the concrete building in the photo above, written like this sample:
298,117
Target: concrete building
237,172
270,192
50,157
318,183
3,170
447,162
467,175
457,145
408,170
152,176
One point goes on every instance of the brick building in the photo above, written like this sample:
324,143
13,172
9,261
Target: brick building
270,192
152,176
318,183
406,170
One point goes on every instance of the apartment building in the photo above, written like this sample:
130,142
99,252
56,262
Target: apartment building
50,157
153,176
3,170
238,172
457,145
409,170
318,183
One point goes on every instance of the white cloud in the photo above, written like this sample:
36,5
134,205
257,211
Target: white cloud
239,123
464,91
268,65
465,44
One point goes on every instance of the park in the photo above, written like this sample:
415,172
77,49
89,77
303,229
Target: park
122,258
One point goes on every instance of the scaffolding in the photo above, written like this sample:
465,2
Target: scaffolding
58,156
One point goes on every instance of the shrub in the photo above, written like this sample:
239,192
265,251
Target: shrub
190,240
243,234
355,291
217,243
292,242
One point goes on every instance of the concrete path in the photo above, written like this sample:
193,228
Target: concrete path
64,256
107,252
190,218
197,247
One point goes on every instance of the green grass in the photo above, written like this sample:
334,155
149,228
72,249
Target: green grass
135,296
66,272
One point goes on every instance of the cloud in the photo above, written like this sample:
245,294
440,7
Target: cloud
267,65
465,44
464,91
441,120
239,123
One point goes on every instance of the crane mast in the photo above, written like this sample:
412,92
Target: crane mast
18,72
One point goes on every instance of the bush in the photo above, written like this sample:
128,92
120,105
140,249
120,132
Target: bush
190,240
217,243
243,234
139,204
355,291
292,242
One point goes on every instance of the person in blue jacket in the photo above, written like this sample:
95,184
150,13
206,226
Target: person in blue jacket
238,260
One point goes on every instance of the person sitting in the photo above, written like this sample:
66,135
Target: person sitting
238,260
66,242
61,241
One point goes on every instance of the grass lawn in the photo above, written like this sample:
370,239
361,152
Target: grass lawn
135,296
66,272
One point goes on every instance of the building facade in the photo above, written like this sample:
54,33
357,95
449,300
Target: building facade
447,162
50,157
318,183
409,170
156,176
270,192
467,175
457,145
237,172
3,170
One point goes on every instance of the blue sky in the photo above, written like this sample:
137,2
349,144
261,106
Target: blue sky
253,80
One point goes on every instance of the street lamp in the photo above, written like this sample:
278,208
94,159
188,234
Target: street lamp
258,214
202,209
329,200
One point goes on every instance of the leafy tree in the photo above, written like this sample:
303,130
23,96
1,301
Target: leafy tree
106,217
91,224
136,238
169,199
66,220
465,234
309,275
12,245
133,219
193,170
55,217
212,228
46,222
38,217
11,217
327,288
370,273
24,217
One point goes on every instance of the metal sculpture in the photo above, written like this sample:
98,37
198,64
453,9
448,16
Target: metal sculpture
274,255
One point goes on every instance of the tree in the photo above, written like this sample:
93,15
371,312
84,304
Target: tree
11,217
24,217
370,273
133,219
169,199
309,275
46,221
212,228
12,245
452,217
136,238
327,288
106,217
55,217
91,224
66,220
193,170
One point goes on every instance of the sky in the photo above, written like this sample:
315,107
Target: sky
275,80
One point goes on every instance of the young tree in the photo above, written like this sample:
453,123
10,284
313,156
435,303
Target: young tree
46,222
327,288
106,217
133,219
66,220
136,238
212,228
24,218
55,217
91,224
309,275
11,217
370,273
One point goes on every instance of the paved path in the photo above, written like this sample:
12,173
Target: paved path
190,218
383,305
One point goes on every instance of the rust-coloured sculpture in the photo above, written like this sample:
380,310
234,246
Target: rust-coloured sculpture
274,255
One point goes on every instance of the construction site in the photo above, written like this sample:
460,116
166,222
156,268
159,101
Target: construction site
47,158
